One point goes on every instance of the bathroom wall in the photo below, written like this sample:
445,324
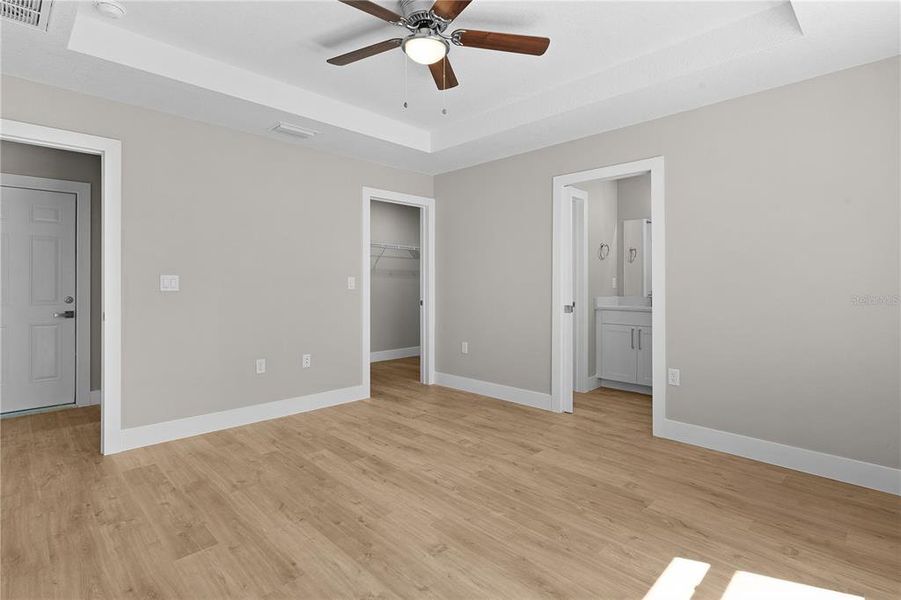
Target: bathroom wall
602,227
633,202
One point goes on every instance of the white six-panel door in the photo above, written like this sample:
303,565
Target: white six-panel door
37,287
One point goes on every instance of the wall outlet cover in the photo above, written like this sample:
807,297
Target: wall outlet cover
672,376
169,283
307,361
351,283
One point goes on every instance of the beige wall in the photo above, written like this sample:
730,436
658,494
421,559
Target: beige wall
263,234
633,202
780,208
602,207
394,293
50,163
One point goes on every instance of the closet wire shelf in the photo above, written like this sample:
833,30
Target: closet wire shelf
378,250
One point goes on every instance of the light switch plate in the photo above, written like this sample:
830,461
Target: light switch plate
464,347
672,376
261,366
351,283
168,283
307,361
613,285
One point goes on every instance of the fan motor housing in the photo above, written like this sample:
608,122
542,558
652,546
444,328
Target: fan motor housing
418,15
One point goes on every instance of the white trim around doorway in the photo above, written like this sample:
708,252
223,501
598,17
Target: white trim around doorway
562,234
427,279
110,152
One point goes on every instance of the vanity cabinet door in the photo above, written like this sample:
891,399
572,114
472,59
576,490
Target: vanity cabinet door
618,352
643,347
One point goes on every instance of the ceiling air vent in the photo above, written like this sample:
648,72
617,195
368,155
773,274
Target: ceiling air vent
34,13
295,130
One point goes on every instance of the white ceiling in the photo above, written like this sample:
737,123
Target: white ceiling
248,64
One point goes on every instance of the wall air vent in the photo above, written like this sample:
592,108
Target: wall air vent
34,13
295,130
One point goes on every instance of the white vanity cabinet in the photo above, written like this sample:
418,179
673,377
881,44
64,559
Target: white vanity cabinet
624,342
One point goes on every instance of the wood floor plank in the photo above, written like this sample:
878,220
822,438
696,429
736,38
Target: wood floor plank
422,492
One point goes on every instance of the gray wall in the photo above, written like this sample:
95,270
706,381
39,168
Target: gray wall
36,161
633,202
394,294
602,208
781,207
264,235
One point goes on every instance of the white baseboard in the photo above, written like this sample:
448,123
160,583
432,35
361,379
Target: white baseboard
626,387
847,470
147,435
94,398
495,390
393,354
590,384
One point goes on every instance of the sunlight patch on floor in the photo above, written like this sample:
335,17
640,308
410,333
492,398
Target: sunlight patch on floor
682,576
750,586
679,580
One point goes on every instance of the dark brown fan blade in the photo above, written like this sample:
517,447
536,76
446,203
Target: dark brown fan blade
375,10
346,59
505,42
443,74
449,9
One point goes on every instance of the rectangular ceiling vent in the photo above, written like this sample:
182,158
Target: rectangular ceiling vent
294,130
33,13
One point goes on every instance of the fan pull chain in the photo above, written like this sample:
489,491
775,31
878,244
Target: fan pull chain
444,85
405,82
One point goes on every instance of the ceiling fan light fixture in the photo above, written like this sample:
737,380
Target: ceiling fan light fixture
425,49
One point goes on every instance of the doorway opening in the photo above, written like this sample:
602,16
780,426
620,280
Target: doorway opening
50,255
609,287
46,254
395,290
398,286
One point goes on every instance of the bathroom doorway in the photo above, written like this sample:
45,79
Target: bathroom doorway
609,287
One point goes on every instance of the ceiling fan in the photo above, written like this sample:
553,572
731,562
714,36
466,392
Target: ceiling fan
428,44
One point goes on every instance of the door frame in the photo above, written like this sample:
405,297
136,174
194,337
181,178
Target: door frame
82,193
426,279
110,152
561,398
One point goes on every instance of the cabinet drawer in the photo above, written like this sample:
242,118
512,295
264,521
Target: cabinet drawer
625,317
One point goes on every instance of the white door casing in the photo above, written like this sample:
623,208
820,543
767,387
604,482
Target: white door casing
110,152
426,279
45,256
561,326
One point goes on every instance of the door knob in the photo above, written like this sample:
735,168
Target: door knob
66,314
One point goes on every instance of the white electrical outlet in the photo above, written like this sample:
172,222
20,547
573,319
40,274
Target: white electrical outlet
351,283
307,361
464,347
613,285
168,283
672,376
261,366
